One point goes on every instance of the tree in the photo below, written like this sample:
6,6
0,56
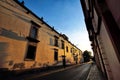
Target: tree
87,56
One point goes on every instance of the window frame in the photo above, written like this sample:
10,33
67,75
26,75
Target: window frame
56,41
28,54
55,54
62,44
34,26
67,49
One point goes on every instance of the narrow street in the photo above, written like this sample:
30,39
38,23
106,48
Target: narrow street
76,73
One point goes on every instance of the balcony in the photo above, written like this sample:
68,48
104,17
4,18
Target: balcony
32,39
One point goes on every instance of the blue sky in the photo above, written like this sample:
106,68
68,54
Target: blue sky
66,16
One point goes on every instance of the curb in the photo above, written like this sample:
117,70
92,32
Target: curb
89,73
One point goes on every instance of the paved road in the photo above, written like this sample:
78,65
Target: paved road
76,73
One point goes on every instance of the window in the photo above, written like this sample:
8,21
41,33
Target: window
56,41
51,41
34,30
66,48
62,43
56,55
71,50
33,33
31,52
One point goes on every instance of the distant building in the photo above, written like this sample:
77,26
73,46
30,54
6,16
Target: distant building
102,18
26,41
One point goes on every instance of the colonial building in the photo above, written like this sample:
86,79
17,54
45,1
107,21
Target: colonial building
102,18
27,41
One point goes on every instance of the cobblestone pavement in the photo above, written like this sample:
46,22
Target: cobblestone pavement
95,74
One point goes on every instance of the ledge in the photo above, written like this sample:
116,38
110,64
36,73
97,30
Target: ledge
32,39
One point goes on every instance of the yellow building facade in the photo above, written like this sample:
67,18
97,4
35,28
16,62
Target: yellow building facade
26,41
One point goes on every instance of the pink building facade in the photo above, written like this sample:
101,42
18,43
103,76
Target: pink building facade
102,18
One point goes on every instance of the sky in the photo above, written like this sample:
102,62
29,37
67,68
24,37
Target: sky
66,16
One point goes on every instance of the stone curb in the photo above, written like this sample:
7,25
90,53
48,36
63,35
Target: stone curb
88,77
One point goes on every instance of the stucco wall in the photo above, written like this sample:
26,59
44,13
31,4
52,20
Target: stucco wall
110,52
114,6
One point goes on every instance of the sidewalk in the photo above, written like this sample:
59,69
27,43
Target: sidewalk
18,75
95,74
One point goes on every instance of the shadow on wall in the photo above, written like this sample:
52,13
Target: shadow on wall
3,53
12,35
5,59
